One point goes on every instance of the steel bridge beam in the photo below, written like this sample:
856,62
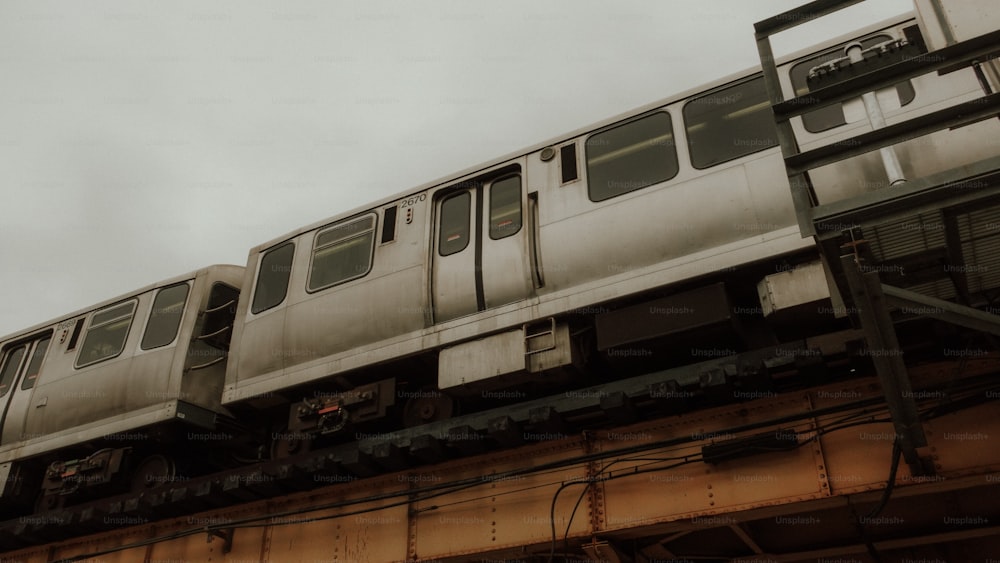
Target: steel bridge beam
769,506
886,355
947,311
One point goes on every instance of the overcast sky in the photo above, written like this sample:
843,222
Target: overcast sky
142,140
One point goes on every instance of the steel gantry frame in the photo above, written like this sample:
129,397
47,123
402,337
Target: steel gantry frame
646,492
840,227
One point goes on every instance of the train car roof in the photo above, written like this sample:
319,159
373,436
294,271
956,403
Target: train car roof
903,17
113,300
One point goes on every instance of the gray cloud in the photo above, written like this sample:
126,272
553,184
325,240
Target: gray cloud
143,140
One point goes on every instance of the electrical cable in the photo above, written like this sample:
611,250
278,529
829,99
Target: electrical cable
456,486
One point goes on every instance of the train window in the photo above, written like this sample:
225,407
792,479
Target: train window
342,253
567,159
832,116
9,369
272,279
454,231
631,156
76,335
106,334
729,123
388,225
165,318
505,207
35,365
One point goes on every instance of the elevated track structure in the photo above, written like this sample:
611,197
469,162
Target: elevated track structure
852,446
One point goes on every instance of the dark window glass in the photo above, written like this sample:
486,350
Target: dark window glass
272,279
833,115
76,335
165,318
505,207
9,369
35,365
388,225
454,235
729,123
106,335
567,156
632,156
342,253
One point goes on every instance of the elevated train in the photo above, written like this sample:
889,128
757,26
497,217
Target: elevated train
619,248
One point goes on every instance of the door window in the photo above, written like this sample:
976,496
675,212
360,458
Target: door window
505,207
272,279
454,232
35,366
165,318
12,361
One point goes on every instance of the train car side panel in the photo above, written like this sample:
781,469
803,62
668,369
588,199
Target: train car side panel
20,366
153,370
372,289
259,320
653,226
121,370
85,387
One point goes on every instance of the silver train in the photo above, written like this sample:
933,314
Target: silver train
614,249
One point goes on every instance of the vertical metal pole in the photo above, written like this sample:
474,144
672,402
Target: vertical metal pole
802,191
886,355
877,119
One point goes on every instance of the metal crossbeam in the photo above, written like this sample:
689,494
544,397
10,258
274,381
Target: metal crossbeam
953,116
800,15
978,48
886,355
973,182
945,310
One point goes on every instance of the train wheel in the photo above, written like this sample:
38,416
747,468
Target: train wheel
427,406
287,443
153,471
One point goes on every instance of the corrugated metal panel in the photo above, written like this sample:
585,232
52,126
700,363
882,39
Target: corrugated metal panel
910,236
979,232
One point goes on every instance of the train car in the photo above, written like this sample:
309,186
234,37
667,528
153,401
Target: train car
97,396
620,248
621,244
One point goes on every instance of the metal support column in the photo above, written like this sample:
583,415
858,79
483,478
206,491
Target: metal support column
856,272
886,355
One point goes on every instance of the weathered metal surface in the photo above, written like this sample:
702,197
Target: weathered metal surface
698,308
497,505
792,289
111,399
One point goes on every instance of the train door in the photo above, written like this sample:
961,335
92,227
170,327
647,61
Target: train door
480,248
21,365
